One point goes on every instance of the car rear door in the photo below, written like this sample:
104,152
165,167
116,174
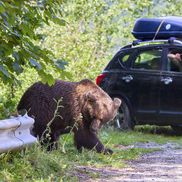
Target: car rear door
171,90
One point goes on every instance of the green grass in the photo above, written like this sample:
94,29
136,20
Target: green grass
35,164
144,134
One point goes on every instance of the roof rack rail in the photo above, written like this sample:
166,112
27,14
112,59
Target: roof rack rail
171,40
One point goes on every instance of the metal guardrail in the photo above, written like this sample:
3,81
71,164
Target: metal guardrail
15,133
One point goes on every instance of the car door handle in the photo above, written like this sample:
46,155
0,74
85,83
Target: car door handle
127,78
167,80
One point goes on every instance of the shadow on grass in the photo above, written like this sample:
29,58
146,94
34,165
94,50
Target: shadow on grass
160,130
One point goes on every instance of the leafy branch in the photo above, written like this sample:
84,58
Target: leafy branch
19,20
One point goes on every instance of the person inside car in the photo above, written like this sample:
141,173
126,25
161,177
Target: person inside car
176,59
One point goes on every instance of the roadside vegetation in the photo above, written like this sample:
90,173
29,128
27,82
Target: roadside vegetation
35,163
72,42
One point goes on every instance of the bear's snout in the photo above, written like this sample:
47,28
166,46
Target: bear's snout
95,126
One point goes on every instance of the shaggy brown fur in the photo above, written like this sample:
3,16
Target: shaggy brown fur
85,108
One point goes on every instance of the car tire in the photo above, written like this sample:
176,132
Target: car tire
177,129
123,119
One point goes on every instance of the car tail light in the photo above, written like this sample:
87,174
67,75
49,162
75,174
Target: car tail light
100,78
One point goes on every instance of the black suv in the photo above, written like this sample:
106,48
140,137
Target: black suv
148,82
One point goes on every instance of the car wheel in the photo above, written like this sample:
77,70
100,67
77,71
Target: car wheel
123,119
177,129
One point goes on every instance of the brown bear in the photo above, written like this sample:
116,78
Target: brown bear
84,108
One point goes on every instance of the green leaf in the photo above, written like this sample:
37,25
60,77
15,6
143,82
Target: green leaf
50,79
46,78
17,68
61,64
16,56
4,71
34,63
59,21
2,9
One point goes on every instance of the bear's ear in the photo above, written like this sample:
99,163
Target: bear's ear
90,97
117,102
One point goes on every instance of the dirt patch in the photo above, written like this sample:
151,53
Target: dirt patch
164,165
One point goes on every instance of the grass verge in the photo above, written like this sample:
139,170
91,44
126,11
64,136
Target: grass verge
36,164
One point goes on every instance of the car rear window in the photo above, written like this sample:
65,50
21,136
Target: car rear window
120,61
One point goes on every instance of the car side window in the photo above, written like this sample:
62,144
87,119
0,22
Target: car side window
148,59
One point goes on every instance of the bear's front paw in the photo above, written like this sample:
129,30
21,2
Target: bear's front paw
108,151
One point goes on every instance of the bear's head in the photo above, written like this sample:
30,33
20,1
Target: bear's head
99,108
